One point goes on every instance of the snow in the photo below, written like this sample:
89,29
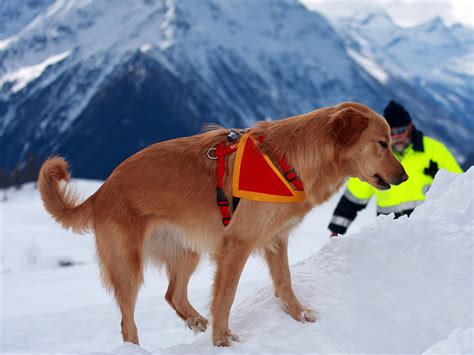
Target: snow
146,47
370,66
458,342
463,64
24,75
430,50
14,15
389,286
4,43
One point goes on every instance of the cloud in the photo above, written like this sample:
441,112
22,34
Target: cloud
464,9
404,12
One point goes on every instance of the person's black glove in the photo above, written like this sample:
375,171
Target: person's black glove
432,169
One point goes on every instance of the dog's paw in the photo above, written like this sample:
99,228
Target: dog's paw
301,314
197,324
226,339
308,315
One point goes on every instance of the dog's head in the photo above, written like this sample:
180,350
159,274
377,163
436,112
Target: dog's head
363,145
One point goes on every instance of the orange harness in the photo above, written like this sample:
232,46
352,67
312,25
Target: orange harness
255,176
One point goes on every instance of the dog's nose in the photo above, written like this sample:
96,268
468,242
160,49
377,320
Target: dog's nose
402,177
399,178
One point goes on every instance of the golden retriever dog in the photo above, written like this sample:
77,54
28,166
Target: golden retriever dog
159,205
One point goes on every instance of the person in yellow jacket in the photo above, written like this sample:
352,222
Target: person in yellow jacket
421,156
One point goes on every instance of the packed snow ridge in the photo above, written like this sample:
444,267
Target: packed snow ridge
396,286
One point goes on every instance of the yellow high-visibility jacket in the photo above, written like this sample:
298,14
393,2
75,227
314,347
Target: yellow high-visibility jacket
421,160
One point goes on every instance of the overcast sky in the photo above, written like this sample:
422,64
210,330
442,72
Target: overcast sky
404,12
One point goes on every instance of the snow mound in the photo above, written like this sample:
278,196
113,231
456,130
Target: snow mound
130,349
396,286
458,342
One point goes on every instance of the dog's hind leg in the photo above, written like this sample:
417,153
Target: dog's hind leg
179,273
277,260
119,251
230,259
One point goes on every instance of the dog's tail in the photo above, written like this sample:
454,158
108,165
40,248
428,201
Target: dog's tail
60,200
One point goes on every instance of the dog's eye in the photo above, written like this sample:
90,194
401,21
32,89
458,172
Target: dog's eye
383,144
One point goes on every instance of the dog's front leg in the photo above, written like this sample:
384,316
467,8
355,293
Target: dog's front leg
230,260
277,260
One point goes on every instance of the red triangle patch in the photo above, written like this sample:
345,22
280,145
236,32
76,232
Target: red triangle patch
257,178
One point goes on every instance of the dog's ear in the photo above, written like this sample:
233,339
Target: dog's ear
346,125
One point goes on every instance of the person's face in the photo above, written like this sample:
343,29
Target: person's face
401,137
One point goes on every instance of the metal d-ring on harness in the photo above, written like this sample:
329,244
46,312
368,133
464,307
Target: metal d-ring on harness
219,153
213,155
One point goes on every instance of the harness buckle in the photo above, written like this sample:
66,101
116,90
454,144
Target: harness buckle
233,136
221,198
291,175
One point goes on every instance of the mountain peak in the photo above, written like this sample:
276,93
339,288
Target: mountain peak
372,17
433,25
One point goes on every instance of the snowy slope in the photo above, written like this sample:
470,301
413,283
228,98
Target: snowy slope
389,286
458,342
14,15
47,308
396,286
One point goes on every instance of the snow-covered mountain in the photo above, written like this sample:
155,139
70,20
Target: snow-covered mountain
436,59
98,80
14,14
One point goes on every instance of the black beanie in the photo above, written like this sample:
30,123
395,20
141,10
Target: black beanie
396,115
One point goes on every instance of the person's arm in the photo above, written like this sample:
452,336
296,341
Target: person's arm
355,198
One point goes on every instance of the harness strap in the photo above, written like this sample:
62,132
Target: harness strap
290,174
221,152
